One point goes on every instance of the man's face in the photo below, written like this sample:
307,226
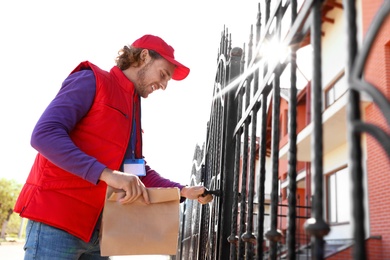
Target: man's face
153,75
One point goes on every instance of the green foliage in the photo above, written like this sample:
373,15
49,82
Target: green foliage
13,225
9,192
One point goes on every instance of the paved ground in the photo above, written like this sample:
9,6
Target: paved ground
11,251
14,251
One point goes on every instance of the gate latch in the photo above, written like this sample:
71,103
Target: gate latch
213,192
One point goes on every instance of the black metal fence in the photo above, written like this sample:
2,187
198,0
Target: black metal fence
244,130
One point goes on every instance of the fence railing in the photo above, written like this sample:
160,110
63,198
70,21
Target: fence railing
241,159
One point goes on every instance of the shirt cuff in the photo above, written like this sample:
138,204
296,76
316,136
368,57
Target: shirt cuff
94,172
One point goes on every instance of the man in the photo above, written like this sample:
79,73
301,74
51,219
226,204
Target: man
87,139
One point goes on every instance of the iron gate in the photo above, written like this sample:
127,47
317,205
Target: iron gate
247,94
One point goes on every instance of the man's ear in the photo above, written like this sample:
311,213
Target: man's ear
145,57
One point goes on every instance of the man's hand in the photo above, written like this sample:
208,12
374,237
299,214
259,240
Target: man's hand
129,183
195,193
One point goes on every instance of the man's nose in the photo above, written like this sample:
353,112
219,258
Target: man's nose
163,86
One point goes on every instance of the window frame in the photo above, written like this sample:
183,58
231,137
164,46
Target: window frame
330,93
328,198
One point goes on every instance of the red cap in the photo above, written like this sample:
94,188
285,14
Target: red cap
158,45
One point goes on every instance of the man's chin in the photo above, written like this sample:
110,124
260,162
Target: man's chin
145,95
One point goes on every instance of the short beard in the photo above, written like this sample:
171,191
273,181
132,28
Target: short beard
141,85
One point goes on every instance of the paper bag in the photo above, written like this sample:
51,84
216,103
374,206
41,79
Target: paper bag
141,229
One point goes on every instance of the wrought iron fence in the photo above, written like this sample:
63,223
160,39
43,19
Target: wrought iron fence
244,135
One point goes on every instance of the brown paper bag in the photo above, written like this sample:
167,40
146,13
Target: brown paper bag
141,229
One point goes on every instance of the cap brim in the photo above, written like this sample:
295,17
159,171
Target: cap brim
180,72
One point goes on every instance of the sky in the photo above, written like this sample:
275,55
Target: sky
43,41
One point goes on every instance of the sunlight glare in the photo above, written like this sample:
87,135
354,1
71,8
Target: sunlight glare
271,52
274,51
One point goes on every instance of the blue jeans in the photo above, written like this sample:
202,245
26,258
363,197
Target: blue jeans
44,242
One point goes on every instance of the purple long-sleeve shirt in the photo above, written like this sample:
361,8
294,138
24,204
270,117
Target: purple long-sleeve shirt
51,138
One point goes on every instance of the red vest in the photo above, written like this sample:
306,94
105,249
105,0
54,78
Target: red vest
64,200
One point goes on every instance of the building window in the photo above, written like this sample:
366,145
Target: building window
284,123
335,90
338,197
